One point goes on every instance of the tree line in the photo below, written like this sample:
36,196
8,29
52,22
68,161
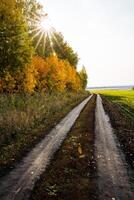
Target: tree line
27,67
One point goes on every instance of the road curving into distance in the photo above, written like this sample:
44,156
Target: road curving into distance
17,185
113,180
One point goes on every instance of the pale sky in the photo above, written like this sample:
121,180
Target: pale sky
102,32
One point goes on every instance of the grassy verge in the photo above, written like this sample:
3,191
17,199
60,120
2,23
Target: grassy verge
122,98
71,174
25,119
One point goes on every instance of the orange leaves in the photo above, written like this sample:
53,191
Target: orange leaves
40,65
30,78
53,74
56,77
50,74
72,78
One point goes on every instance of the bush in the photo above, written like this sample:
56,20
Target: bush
49,75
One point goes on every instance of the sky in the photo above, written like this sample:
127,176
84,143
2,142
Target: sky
102,33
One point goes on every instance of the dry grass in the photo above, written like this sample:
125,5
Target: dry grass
24,119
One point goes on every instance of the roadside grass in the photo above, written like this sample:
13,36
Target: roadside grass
123,98
24,119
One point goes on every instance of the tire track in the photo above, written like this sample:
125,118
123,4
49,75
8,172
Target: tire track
113,181
17,185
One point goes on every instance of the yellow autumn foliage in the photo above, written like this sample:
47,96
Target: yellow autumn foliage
30,78
50,74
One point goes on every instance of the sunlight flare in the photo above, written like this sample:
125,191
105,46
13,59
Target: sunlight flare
45,25
42,29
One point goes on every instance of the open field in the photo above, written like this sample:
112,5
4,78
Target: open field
123,98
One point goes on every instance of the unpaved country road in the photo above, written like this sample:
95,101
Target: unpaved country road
20,181
112,170
113,180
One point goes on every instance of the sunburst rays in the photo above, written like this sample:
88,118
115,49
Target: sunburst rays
41,30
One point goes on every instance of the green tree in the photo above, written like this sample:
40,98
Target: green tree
46,43
83,77
64,50
15,45
44,48
54,43
32,10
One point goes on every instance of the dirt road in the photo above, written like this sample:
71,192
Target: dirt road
19,182
89,164
72,173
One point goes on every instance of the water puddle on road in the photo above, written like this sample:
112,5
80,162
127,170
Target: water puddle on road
18,184
113,180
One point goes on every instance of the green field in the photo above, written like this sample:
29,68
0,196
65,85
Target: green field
123,98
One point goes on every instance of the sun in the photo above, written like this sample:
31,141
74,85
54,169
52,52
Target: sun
44,25
43,30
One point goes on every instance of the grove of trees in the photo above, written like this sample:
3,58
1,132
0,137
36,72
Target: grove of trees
25,66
